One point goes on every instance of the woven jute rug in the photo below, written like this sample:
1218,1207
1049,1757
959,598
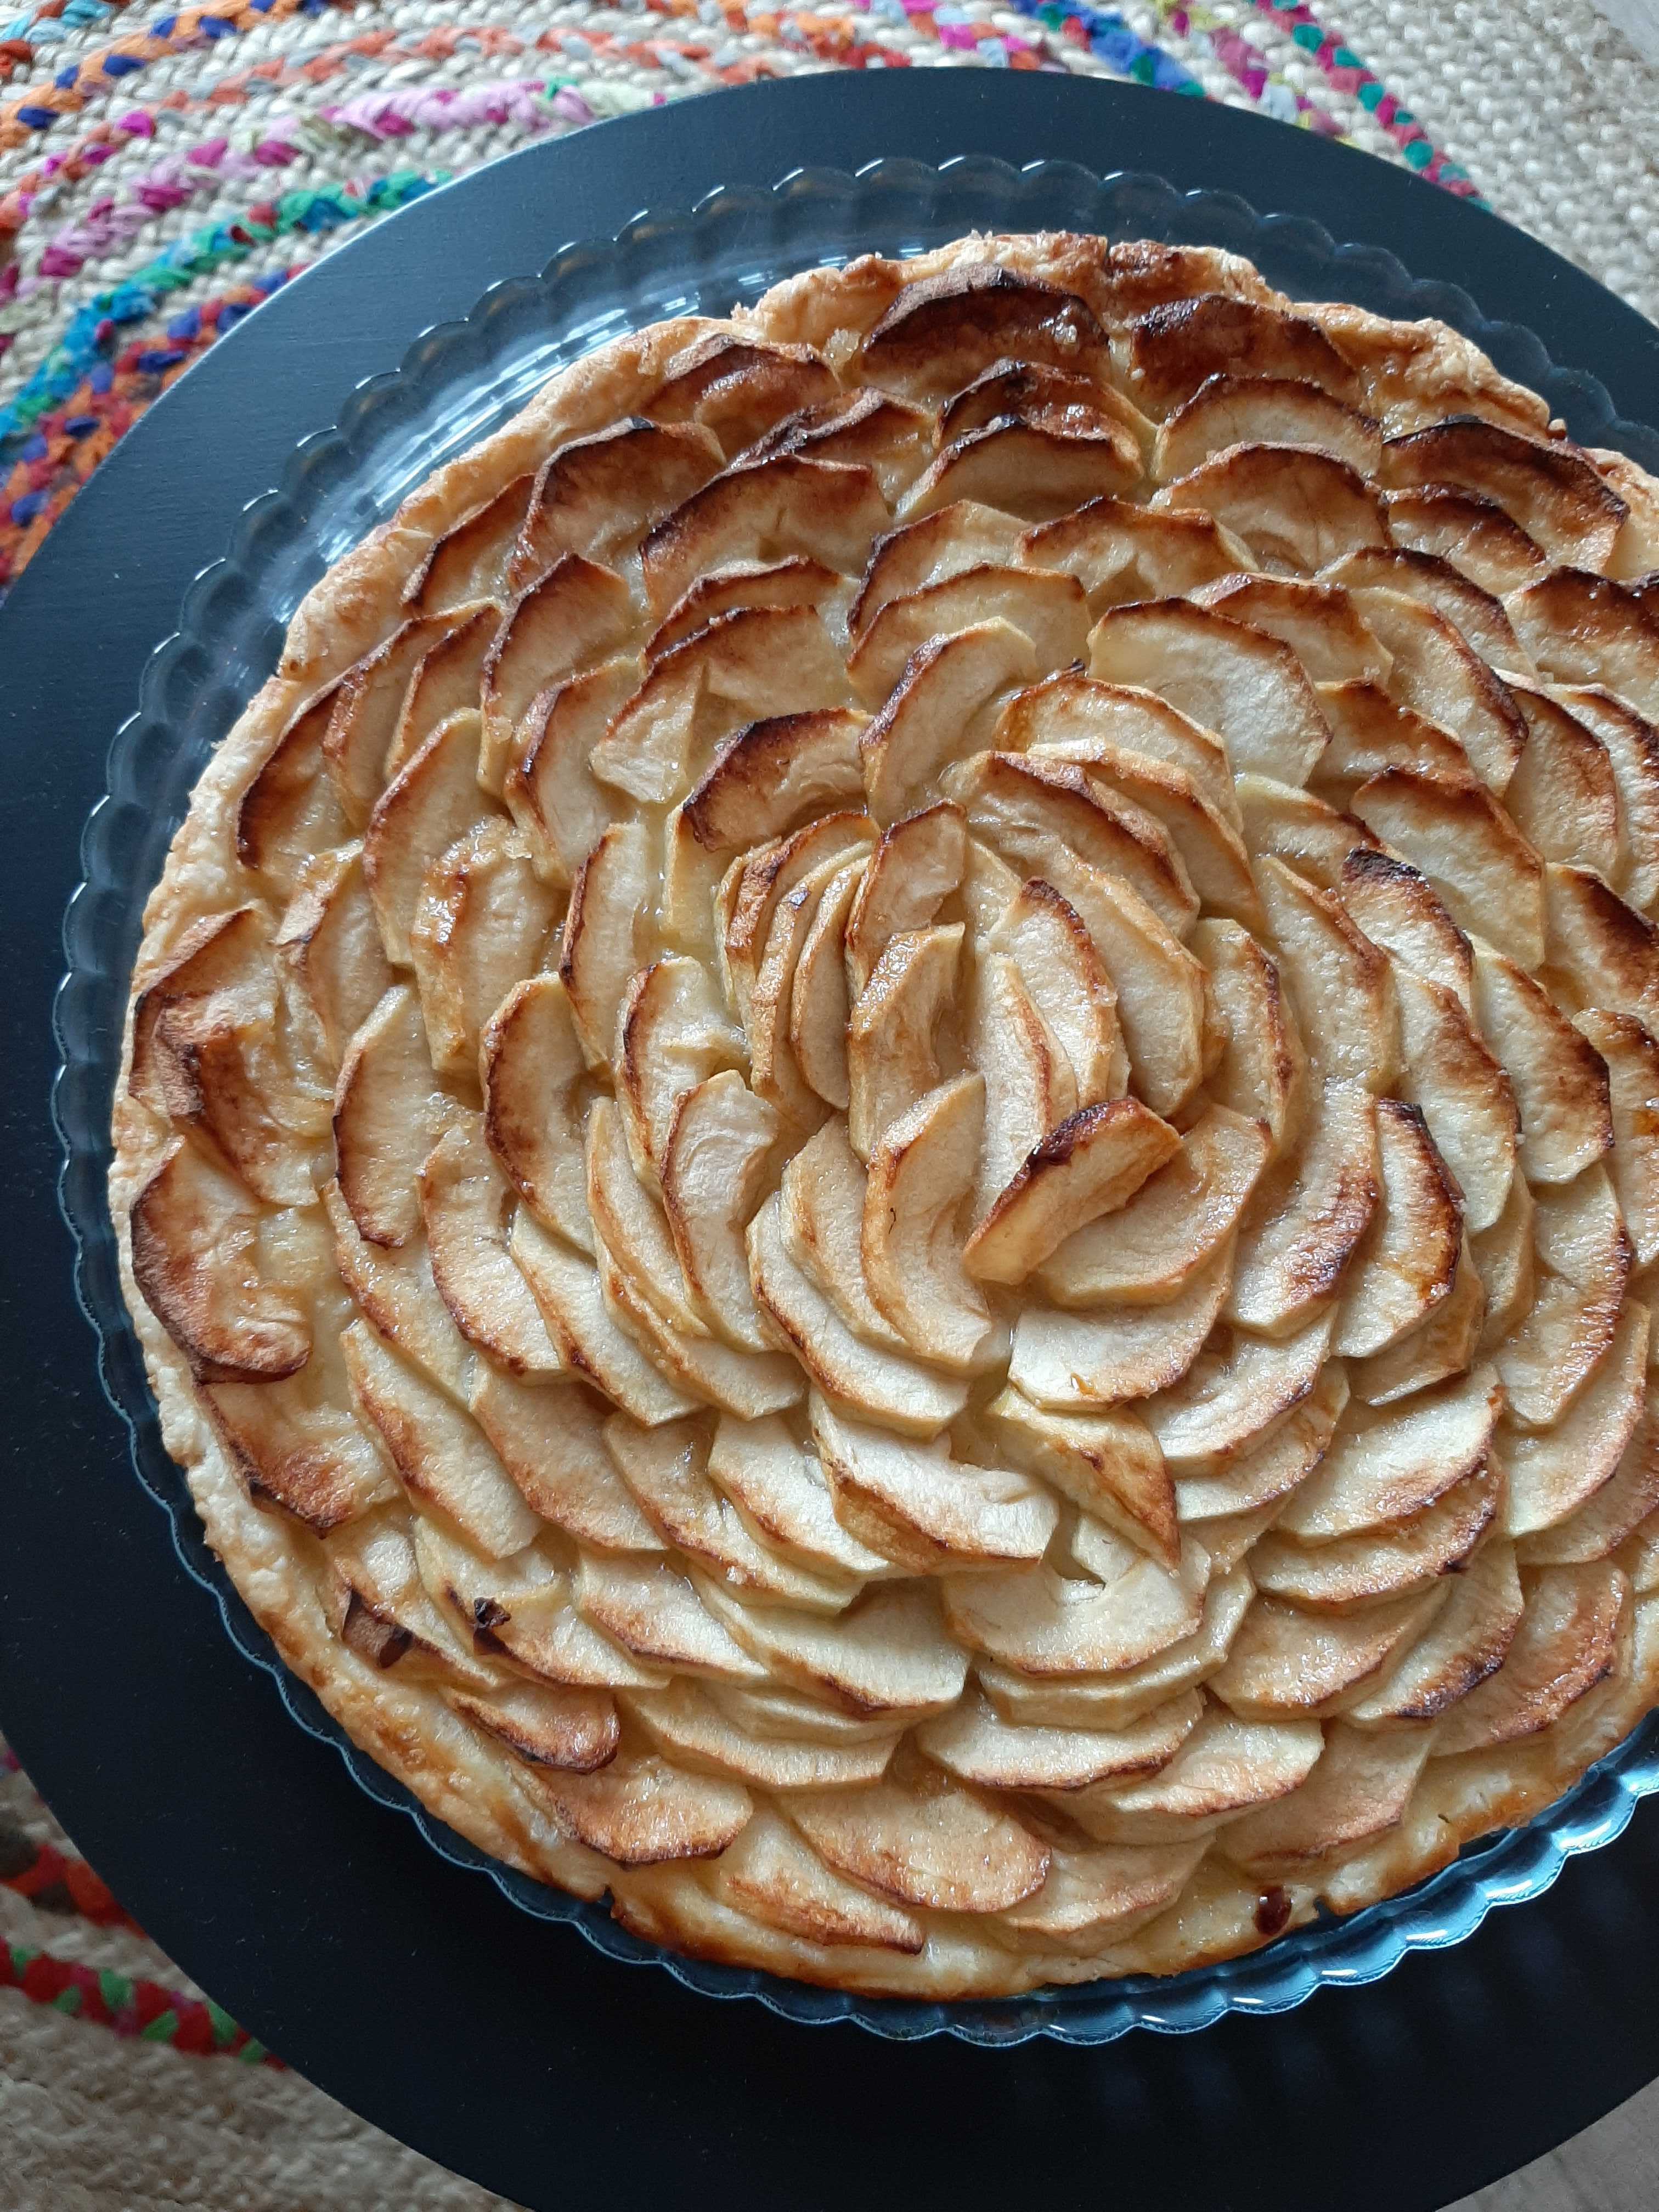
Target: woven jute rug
162,172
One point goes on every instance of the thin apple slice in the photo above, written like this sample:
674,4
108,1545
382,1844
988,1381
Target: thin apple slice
431,800
380,1609
947,681
672,1034
1470,531
1464,1093
909,559
666,1470
1632,747
822,1199
892,1053
1030,1088
886,435
1553,1472
291,810
1080,716
1229,410
573,1731
329,944
464,1203
1409,1261
712,1177
755,886
1299,828
1606,953
1357,1794
1465,1642
1250,689
653,1610
579,613
393,1288
771,1876
1047,608
1398,909
598,495
296,1447
1296,509
820,1001
362,720
1170,351
1567,1644
1338,978
931,1844
1034,468
1475,612
975,1744
765,662
640,1812
1226,1767
1263,1070
440,1454
520,1609
1144,1250
747,1383
1621,1507
1066,981
1045,1624
1159,983
920,1173
1307,1217
550,789
1120,551
886,1654
482,921
1107,1464
780,1490
687,1722
550,1440
1091,1165
1232,1393
631,1224
1550,489
1443,1345
197,1257
389,1111
735,388
798,581
1586,1257
773,1071
1464,842
1357,1570
914,869
1587,628
1438,673
1631,1058
1286,1663
469,560
1115,1353
879,1384
1027,805
566,1286
1206,843
610,903
531,1067
927,1511
1371,732
832,510
942,331
1114,1701
1268,1464
1563,796
1559,1080
1383,1467
1104,1893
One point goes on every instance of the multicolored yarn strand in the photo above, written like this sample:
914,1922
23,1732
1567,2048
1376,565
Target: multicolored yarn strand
162,173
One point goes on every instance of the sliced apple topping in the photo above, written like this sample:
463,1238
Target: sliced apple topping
1408,1555
293,809
465,1201
1409,1259
551,790
942,331
1466,1642
1607,954
483,918
1043,1623
765,511
1434,671
1467,529
1551,491
469,561
1296,507
1226,1766
550,1440
1107,1463
610,903
906,560
1230,410
1631,1057
944,684
431,800
1357,1793
1061,968
565,1285
1319,622
927,1511
1633,748
197,1256
1343,986
1287,1662
363,714
1585,1259
598,496
1046,608
329,945
712,1173
389,1111
1121,552
770,1872
892,1047
446,680
1554,1471
640,1811
887,1654
1236,1389
580,612
1171,351
1247,687
1110,1354
672,1034
1263,1070
1559,1080
920,1171
1092,1164
1566,1646
296,1447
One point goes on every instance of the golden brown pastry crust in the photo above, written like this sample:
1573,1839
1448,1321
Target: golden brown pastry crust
1395,835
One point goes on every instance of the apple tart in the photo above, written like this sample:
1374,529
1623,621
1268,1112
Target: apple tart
889,1146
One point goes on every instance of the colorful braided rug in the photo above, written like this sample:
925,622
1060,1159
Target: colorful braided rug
162,169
